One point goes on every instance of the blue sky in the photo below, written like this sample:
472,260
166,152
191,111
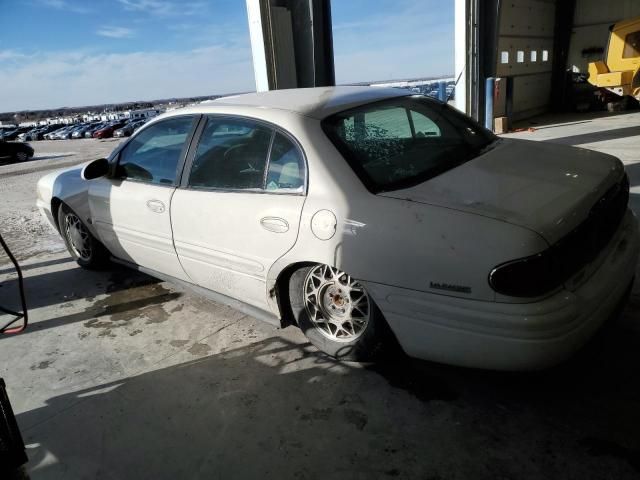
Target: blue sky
56,53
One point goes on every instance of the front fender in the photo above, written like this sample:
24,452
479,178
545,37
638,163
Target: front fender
68,187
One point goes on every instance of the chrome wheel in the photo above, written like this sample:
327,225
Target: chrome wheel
78,236
337,305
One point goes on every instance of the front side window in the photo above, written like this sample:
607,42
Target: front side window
240,154
153,155
404,141
232,154
632,45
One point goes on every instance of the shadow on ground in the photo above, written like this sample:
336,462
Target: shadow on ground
277,409
555,120
35,159
129,292
594,137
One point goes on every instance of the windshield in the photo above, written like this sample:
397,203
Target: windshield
404,141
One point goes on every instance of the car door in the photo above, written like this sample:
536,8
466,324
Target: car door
130,209
239,208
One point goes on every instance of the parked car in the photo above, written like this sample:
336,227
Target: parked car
79,133
139,124
26,136
38,133
365,216
15,151
66,135
13,134
63,134
52,133
128,129
89,132
107,132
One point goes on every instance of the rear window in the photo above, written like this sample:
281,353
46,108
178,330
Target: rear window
404,141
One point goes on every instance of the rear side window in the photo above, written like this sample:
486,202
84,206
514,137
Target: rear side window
240,154
232,154
153,155
286,167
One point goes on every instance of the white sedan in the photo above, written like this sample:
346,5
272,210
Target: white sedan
364,216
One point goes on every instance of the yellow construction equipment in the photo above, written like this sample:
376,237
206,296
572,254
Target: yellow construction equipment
621,72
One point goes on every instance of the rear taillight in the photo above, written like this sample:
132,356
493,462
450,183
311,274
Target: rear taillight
527,277
541,273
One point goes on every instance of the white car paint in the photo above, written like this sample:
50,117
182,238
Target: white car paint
511,202
233,251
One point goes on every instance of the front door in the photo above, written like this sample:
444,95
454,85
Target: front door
130,210
239,210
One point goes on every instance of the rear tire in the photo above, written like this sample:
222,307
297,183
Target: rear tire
337,315
85,249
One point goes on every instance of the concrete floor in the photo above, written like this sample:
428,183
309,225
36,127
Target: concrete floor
121,376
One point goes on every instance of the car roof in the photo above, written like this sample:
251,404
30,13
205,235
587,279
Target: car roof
319,102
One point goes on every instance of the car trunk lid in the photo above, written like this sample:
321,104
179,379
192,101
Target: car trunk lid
547,188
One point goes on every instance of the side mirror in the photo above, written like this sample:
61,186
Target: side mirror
96,169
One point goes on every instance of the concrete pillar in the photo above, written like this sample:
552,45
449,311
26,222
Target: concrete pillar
291,43
476,28
461,73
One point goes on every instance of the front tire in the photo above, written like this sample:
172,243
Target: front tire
21,157
337,315
85,249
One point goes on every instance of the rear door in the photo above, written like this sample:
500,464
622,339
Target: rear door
130,210
239,208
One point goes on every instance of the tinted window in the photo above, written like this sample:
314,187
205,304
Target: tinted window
232,154
390,122
153,155
402,142
286,167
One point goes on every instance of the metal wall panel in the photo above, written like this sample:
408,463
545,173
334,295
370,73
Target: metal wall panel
591,28
598,12
525,52
531,95
528,18
530,50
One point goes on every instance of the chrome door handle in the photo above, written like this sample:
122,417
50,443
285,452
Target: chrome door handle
274,224
156,206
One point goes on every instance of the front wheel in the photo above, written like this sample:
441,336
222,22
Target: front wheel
337,315
22,156
81,244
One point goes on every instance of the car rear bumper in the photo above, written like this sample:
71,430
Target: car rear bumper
508,336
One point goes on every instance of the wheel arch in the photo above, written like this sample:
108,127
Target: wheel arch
55,207
280,291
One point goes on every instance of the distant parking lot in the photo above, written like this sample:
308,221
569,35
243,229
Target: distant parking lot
22,224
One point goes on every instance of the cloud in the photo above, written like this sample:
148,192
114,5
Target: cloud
11,55
64,5
52,80
115,32
164,7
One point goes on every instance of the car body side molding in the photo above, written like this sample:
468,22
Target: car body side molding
208,294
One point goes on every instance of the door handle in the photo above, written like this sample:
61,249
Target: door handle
274,224
156,206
